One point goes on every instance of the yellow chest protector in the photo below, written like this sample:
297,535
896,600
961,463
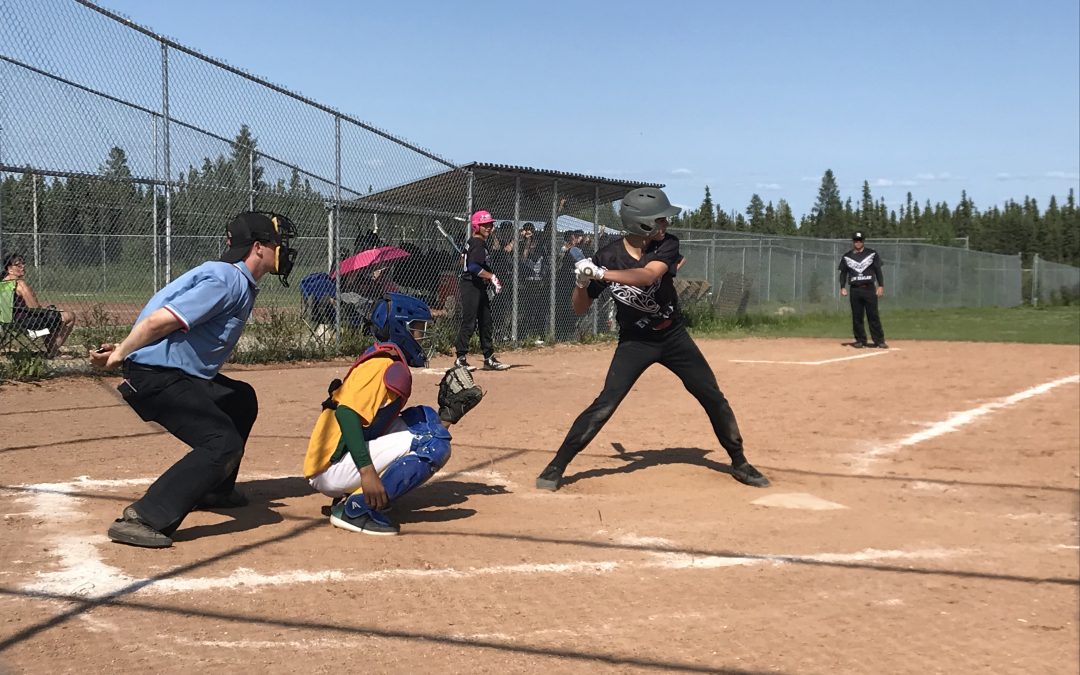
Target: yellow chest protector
376,387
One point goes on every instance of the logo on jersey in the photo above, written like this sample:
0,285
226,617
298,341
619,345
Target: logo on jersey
641,299
860,266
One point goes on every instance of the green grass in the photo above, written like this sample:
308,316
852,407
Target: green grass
1053,325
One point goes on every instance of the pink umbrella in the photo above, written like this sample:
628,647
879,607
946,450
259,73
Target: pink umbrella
370,258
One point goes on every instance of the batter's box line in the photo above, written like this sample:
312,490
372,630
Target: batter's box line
817,363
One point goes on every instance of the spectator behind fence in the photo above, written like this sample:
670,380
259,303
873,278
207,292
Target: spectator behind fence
533,296
28,312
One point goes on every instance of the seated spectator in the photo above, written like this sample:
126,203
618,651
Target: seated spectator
28,312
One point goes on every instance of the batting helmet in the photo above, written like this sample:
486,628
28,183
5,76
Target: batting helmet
642,207
481,218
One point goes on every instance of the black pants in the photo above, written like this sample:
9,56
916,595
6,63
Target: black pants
214,417
864,300
475,313
676,352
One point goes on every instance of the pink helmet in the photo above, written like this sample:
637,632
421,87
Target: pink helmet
481,218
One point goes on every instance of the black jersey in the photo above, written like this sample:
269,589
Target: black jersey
642,313
861,268
476,260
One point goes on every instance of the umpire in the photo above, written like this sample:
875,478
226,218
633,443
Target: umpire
171,360
861,267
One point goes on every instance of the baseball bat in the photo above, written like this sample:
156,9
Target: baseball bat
450,239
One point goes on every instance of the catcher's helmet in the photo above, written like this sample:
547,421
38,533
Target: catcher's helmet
642,207
396,318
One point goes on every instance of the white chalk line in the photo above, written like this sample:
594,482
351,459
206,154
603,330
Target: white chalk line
81,570
954,422
818,363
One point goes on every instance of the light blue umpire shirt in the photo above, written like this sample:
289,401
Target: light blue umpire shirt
212,302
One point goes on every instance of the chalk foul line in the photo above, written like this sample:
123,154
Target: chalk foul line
954,422
867,355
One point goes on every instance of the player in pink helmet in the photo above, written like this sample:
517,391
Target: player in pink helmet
476,276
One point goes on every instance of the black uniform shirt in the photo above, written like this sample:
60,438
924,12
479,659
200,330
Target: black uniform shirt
861,268
642,313
476,259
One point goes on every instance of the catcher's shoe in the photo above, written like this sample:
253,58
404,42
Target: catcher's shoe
492,363
549,478
130,529
746,474
349,516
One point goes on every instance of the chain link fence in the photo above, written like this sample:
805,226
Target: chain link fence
123,158
765,273
1053,283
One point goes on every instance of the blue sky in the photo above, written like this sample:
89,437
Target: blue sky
746,97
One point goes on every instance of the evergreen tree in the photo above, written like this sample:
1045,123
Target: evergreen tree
756,212
827,216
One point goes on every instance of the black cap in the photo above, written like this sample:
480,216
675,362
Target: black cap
857,236
248,228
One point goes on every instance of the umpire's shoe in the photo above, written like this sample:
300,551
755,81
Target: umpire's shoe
131,529
351,515
549,478
746,474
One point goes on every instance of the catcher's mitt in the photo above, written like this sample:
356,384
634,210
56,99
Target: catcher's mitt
458,394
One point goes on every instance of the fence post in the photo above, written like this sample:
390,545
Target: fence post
596,242
251,179
166,159
552,250
1034,279
2,252
768,276
153,205
336,231
517,268
37,244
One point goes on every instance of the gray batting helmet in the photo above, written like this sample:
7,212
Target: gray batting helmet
641,207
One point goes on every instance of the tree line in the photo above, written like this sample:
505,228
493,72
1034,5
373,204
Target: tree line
1017,227
87,210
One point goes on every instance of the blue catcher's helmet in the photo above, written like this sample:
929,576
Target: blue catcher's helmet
403,320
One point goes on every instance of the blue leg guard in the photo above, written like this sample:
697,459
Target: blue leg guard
430,452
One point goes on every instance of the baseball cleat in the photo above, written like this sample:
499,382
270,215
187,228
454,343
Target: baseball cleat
746,474
348,516
881,345
549,478
492,363
130,529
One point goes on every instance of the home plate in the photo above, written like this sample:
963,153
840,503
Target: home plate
797,500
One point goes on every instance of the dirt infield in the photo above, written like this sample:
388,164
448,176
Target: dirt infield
922,518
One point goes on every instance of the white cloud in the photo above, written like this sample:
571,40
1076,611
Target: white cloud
767,186
682,172
1004,175
1067,175
907,182
882,182
809,179
944,175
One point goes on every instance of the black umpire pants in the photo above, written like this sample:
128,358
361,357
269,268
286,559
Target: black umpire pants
214,417
678,353
864,301
475,314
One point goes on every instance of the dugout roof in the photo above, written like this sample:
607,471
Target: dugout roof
494,186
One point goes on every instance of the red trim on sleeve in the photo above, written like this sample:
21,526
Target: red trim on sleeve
179,318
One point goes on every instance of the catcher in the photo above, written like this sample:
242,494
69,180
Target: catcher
367,448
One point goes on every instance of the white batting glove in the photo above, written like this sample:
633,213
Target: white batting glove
582,280
496,283
590,269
